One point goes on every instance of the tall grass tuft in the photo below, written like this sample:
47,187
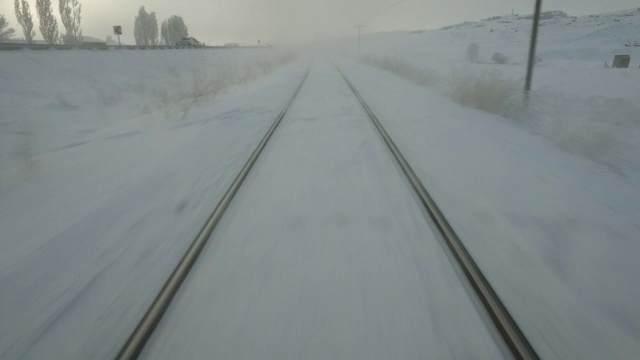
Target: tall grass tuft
399,67
207,81
486,91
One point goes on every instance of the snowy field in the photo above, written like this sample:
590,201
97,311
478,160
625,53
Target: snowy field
577,104
110,162
104,185
546,196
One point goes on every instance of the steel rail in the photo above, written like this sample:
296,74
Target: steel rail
503,321
146,326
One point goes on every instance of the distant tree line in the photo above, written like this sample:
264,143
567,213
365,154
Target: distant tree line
48,22
25,20
145,29
70,14
173,29
6,32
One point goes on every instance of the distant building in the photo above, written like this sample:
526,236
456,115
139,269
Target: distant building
91,41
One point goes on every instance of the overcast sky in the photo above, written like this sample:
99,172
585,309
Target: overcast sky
279,21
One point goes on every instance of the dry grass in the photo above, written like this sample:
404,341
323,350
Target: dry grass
600,129
400,67
207,81
487,91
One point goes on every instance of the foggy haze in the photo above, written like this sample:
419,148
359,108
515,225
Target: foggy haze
281,21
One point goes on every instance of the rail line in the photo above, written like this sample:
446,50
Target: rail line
505,324
148,323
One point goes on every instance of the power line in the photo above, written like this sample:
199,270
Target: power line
359,30
383,11
362,24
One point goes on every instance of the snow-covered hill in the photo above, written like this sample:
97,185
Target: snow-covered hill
591,38
579,41
51,100
578,102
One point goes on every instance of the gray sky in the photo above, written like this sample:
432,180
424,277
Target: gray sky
278,21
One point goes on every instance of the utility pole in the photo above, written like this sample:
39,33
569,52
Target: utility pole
532,50
359,30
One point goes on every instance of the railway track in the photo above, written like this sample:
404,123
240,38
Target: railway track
497,312
503,321
143,331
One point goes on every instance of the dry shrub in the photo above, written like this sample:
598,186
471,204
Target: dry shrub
486,91
63,103
399,67
209,80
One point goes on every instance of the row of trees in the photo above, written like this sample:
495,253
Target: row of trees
145,29
70,11
5,31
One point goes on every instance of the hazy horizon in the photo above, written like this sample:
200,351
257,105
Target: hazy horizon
280,21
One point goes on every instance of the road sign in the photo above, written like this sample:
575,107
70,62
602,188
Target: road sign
117,30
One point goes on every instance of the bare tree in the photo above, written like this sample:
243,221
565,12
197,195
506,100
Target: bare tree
48,22
173,29
25,19
6,32
164,33
145,29
139,26
153,29
70,15
473,52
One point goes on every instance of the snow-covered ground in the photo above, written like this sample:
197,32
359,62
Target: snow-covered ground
110,163
577,104
337,262
99,200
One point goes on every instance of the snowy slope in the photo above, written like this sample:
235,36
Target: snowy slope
577,104
588,38
563,40
56,99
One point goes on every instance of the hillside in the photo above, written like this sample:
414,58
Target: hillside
578,102
563,40
562,36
